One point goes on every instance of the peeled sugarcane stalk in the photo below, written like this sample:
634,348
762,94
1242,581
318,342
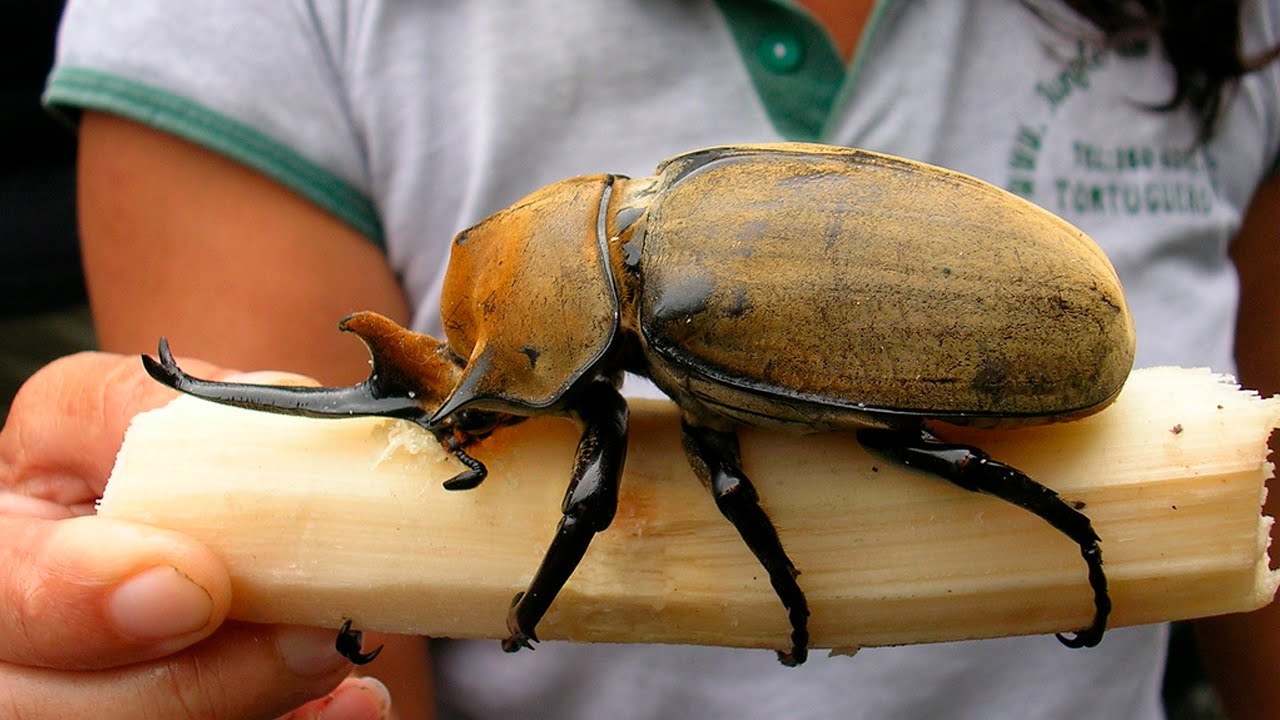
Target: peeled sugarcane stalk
324,520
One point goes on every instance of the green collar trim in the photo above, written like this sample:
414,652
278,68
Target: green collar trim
71,89
797,72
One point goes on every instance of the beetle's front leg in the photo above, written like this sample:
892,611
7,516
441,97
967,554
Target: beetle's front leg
715,459
588,507
972,469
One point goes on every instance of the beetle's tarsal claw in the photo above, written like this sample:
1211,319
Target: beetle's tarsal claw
799,651
1092,635
1082,639
348,645
794,657
475,473
518,641
519,638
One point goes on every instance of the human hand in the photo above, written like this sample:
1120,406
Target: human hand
106,619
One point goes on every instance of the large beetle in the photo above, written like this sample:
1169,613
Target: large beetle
794,286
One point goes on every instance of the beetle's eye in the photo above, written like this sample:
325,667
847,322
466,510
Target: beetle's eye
476,422
460,239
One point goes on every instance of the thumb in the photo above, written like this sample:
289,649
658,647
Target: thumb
69,419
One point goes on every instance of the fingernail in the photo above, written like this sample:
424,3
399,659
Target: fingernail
159,604
309,651
364,698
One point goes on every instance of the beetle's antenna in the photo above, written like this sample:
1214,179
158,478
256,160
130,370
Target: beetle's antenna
475,473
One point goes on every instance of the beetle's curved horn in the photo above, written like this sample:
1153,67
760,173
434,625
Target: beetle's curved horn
411,374
318,402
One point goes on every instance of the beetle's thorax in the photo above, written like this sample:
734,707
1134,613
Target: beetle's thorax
529,299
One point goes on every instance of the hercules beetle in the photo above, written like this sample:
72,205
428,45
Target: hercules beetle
793,286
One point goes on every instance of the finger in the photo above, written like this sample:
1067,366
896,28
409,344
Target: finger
69,419
21,505
242,672
90,592
357,698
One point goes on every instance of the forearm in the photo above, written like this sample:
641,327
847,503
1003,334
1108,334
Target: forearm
1242,651
229,265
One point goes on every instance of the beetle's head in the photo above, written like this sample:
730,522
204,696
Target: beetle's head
528,300
419,367
405,363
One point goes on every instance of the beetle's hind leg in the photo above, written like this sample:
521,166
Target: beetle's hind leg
715,459
970,468
589,506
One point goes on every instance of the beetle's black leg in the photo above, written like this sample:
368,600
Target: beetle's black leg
715,459
373,397
972,469
349,644
588,507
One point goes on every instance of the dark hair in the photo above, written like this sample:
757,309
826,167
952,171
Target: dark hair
1201,39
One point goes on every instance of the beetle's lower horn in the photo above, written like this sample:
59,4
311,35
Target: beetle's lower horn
318,402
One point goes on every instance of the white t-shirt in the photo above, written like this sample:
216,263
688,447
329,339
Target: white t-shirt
410,120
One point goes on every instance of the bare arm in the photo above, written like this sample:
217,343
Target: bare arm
1242,652
230,265
233,268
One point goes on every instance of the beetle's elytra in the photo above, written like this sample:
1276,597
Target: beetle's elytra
788,285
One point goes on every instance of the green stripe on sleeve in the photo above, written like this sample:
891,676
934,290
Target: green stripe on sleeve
72,88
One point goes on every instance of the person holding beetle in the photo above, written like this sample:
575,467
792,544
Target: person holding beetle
250,174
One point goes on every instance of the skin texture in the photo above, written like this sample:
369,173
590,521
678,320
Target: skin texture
233,268
169,228
844,20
